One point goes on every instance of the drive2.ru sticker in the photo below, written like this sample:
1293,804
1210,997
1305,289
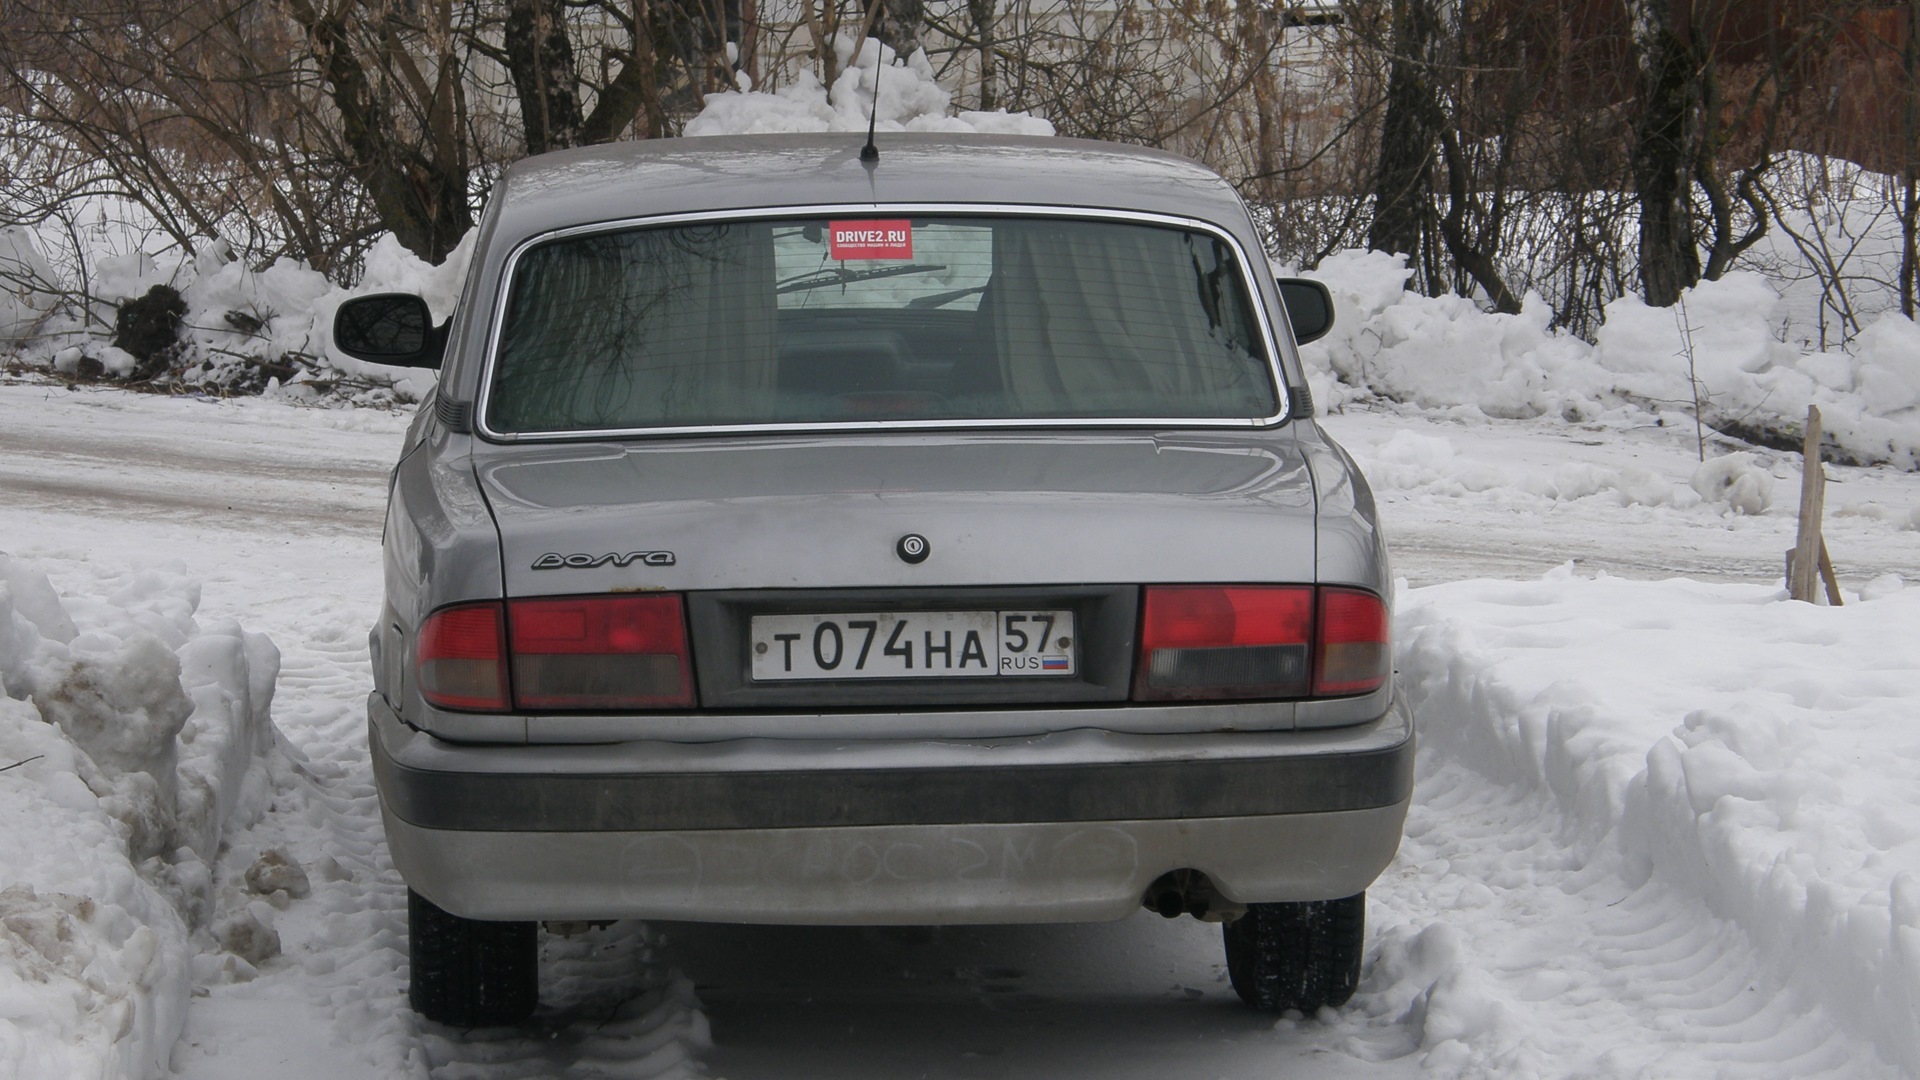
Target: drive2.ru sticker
870,239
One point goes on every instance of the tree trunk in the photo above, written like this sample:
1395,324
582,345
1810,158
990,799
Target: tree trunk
1910,183
540,63
421,197
1478,264
1664,147
1403,177
898,24
632,92
981,14
749,13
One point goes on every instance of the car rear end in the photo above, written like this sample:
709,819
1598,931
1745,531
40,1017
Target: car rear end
911,563
891,804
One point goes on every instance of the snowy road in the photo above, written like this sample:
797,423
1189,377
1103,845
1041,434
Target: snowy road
1507,940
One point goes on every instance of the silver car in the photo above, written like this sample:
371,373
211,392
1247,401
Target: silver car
941,536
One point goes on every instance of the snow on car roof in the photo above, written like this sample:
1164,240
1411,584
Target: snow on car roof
694,175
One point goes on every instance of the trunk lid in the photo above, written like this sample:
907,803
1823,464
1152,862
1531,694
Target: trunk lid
804,512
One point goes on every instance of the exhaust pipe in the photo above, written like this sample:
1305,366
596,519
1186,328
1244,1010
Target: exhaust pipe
1189,892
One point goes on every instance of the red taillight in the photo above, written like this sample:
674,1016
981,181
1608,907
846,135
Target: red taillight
1200,642
461,659
600,652
1353,654
1247,642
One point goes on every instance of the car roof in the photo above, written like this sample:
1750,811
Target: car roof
715,173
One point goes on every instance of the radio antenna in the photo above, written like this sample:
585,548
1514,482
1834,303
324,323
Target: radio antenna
871,153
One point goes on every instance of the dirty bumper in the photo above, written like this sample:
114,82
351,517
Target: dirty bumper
1072,826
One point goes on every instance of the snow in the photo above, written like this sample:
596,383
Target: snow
237,317
1662,825
139,736
27,297
910,100
1755,754
1720,346
1735,479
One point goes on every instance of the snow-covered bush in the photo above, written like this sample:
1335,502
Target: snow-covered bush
254,329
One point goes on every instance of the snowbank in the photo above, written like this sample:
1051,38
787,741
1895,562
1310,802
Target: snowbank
1444,353
910,100
1869,394
266,330
139,734
1759,754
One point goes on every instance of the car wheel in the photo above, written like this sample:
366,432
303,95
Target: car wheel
1297,955
467,972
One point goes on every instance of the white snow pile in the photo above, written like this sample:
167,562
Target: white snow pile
1410,462
26,295
1720,346
911,99
246,329
131,736
1737,480
1758,754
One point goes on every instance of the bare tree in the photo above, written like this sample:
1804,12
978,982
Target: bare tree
396,90
1910,163
1689,53
1666,142
539,55
1480,137
305,127
1404,169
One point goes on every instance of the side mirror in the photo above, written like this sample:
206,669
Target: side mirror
388,328
1309,308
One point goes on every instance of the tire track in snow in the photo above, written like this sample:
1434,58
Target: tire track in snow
65,451
1506,944
119,455
135,490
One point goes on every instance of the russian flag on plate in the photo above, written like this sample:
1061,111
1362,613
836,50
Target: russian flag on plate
1053,663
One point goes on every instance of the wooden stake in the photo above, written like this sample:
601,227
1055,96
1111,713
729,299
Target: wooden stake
1804,580
1827,575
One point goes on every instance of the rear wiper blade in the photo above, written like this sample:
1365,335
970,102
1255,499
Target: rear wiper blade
941,299
840,275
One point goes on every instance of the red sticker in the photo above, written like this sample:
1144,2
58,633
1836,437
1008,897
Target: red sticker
870,239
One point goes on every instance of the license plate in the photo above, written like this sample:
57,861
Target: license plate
912,645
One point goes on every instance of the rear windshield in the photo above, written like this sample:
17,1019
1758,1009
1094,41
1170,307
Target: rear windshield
832,320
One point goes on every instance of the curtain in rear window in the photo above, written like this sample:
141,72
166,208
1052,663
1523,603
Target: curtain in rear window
645,328
989,318
1090,319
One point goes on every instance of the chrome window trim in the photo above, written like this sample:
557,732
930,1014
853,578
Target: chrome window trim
485,395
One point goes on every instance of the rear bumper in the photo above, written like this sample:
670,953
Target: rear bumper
1068,827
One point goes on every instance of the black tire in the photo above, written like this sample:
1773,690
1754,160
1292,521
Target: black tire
1297,955
470,973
